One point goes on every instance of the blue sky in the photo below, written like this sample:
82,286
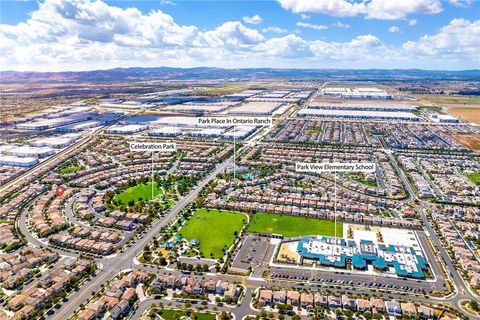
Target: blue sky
54,35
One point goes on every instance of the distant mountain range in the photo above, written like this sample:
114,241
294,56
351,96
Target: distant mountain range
166,73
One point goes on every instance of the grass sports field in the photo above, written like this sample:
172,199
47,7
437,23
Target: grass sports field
143,191
292,226
214,229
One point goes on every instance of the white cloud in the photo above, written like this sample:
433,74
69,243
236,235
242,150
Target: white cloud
372,9
311,26
459,39
305,16
169,2
362,47
256,19
341,25
412,22
394,29
274,30
232,33
339,8
96,21
289,46
394,10
87,34
461,3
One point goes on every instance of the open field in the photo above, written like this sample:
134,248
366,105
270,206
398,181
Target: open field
471,114
292,226
472,142
450,100
227,88
139,192
474,177
214,230
70,169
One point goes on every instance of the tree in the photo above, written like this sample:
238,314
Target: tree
474,305
225,316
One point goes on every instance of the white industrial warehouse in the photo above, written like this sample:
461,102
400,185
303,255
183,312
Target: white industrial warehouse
364,107
165,132
368,93
26,151
16,161
358,114
126,129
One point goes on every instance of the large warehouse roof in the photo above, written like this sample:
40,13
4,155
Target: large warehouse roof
358,114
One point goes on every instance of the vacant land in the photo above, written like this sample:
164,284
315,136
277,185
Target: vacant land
472,142
471,114
474,177
292,226
214,229
139,192
454,100
227,88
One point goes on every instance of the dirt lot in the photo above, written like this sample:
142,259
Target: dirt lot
471,114
472,142
286,254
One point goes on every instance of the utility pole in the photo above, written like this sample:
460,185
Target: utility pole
234,151
152,175
335,205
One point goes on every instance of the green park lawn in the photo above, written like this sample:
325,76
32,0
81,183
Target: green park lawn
70,169
214,230
176,314
474,177
292,226
141,191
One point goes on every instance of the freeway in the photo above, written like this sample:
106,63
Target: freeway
110,267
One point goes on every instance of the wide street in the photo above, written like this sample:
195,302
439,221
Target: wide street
124,260
302,279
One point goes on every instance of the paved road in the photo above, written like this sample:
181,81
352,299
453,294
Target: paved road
124,260
110,267
463,291
22,225
43,165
